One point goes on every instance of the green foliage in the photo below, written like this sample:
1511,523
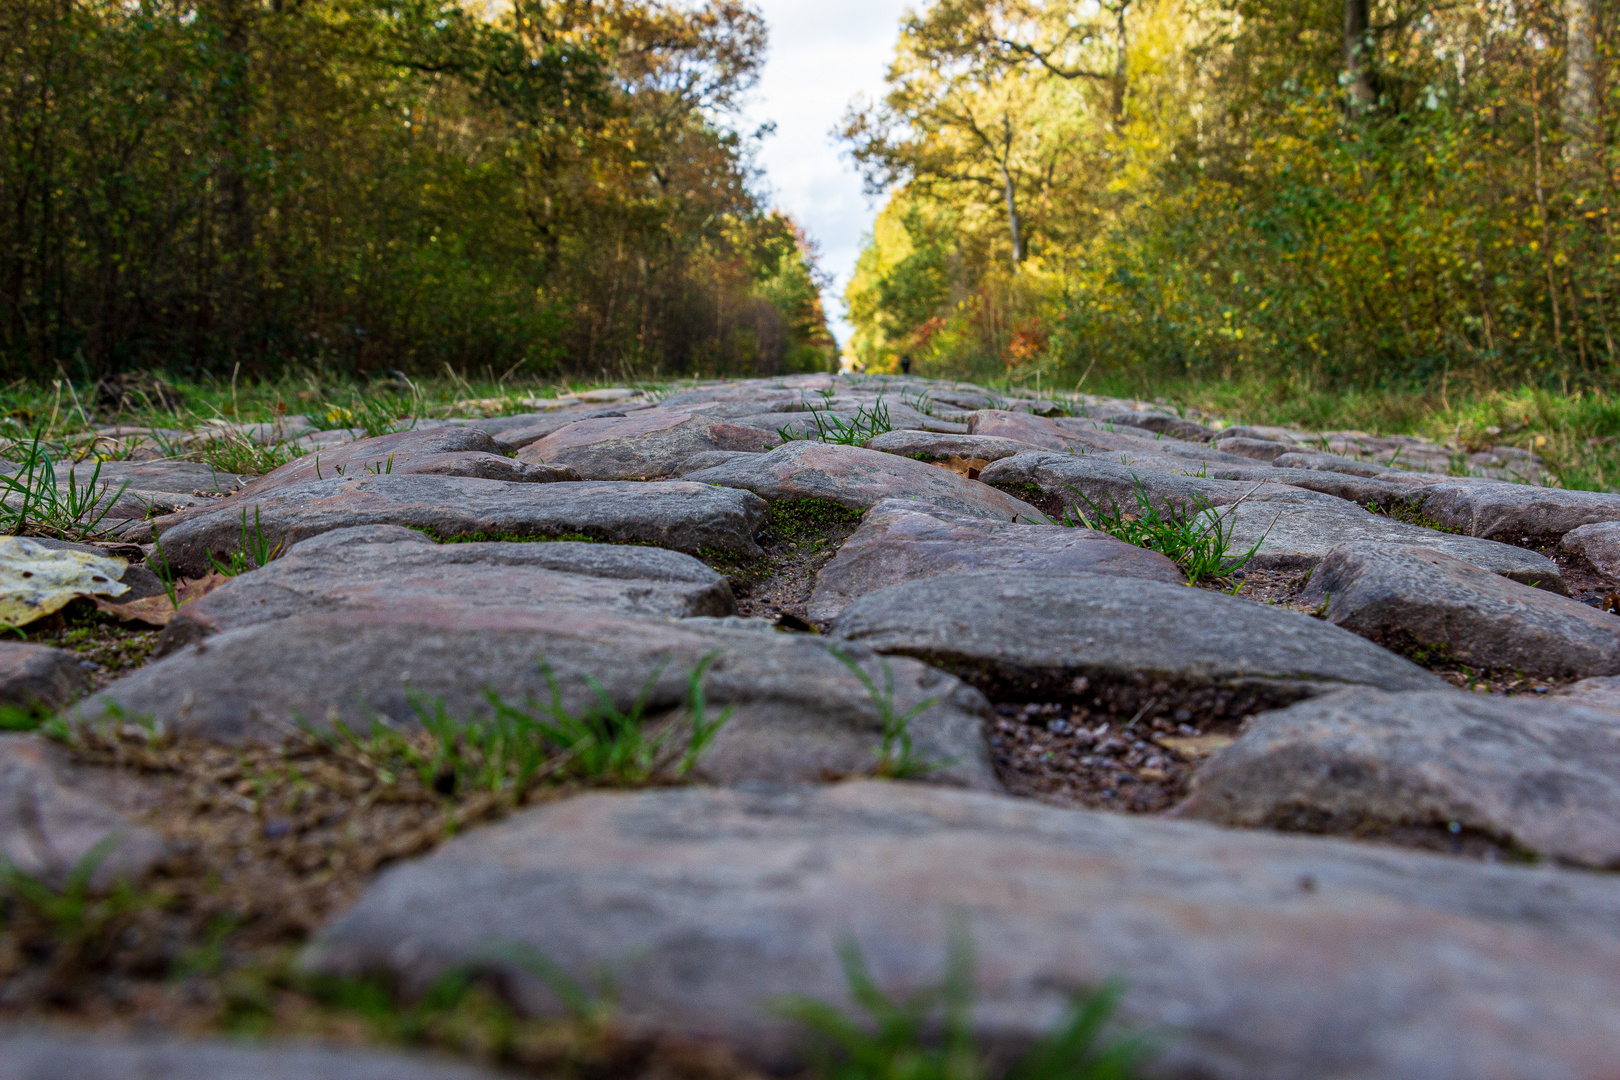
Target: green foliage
370,184
1198,539
868,423
896,758
244,457
1187,192
929,1035
75,918
255,550
507,753
22,717
33,502
373,413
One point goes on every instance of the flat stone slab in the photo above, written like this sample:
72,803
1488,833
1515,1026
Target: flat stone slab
1160,423
385,455
378,566
1402,595
801,714
53,813
1362,490
1517,513
38,676
684,516
42,1053
167,475
643,446
1300,459
1541,776
1110,485
1138,644
933,446
858,478
1600,692
1248,955
1259,449
1598,544
1297,537
896,542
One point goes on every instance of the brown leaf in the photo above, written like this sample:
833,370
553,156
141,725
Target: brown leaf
965,467
1193,747
156,610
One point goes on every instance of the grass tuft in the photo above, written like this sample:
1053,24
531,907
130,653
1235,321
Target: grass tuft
1199,540
929,1034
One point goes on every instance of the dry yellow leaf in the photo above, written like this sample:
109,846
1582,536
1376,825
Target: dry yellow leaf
36,580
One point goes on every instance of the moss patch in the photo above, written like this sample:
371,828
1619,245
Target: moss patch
1409,514
800,537
116,648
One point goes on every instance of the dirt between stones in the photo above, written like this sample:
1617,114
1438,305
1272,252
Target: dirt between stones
801,536
268,844
1067,755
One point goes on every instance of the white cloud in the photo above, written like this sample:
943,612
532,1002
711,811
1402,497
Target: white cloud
823,53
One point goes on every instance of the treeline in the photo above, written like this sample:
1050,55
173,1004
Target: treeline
1340,192
371,184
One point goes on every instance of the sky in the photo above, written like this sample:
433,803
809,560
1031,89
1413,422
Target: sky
822,54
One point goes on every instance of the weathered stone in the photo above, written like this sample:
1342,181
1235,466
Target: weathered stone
39,677
1262,434
896,542
380,456
1517,513
1259,449
1041,431
708,459
379,566
800,712
1295,537
1138,644
1158,422
482,466
1407,596
533,430
1357,489
859,479
1300,459
39,1053
52,814
932,446
1252,956
1087,481
133,490
169,476
1598,544
1538,775
646,445
1599,692
686,517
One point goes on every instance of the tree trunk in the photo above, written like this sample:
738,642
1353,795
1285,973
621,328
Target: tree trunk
1357,46
1121,68
1580,95
1012,216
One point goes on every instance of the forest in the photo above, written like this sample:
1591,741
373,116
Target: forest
356,186
1398,195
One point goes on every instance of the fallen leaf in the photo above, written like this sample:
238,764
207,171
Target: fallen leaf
36,580
157,610
965,467
1194,747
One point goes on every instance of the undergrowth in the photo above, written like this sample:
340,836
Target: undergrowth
929,1035
868,423
1197,539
